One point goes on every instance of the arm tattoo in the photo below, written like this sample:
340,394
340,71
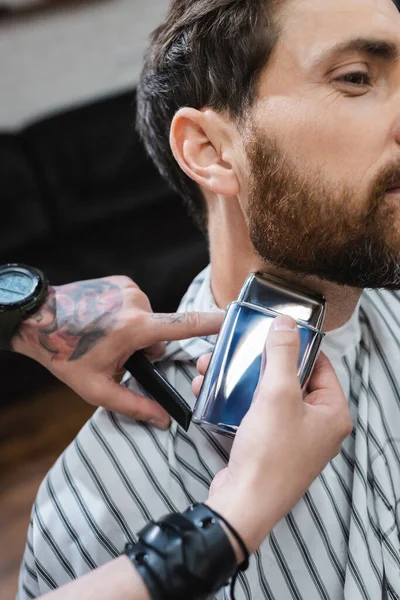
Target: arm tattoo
74,318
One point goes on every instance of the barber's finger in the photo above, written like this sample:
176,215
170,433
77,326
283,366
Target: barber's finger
282,354
323,376
325,392
118,377
120,399
156,350
180,326
202,366
202,363
196,385
324,386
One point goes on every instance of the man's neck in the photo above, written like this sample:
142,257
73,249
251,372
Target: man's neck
233,259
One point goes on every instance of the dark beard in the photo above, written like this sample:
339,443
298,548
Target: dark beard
302,223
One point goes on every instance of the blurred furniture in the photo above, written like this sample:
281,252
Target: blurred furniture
72,54
80,199
23,8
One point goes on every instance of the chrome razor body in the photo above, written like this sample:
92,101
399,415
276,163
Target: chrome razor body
234,371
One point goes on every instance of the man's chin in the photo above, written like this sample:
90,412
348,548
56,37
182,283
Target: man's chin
383,274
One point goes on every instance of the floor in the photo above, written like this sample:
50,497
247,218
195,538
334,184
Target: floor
32,435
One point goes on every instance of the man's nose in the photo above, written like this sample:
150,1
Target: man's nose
396,113
393,104
397,128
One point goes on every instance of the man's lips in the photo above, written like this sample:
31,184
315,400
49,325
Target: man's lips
394,187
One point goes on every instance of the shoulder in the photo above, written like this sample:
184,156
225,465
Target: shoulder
113,462
111,481
117,475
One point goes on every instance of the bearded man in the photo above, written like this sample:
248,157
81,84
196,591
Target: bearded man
279,123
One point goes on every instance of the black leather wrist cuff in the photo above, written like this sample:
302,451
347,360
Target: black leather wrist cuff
184,555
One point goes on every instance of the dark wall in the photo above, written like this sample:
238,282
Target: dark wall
79,200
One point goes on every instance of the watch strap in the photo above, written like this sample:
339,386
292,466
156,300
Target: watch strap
11,318
9,323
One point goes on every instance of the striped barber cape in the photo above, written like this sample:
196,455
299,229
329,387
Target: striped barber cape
340,541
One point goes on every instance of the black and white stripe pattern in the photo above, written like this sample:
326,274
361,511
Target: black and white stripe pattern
341,541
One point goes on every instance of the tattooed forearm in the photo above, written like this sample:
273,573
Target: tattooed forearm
74,318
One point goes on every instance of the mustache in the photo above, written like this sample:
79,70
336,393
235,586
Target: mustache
388,176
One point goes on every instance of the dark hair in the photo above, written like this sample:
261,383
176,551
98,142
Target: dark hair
205,53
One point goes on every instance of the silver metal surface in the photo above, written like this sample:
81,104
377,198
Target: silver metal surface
281,297
235,366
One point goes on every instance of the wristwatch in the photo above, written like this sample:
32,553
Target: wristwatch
23,290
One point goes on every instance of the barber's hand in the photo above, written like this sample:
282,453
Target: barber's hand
85,332
284,441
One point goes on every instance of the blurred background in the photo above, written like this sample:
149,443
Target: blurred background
78,199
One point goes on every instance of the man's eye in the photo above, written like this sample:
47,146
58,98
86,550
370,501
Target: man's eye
359,78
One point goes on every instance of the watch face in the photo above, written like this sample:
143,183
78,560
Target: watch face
16,285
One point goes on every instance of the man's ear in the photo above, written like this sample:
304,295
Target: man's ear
202,147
